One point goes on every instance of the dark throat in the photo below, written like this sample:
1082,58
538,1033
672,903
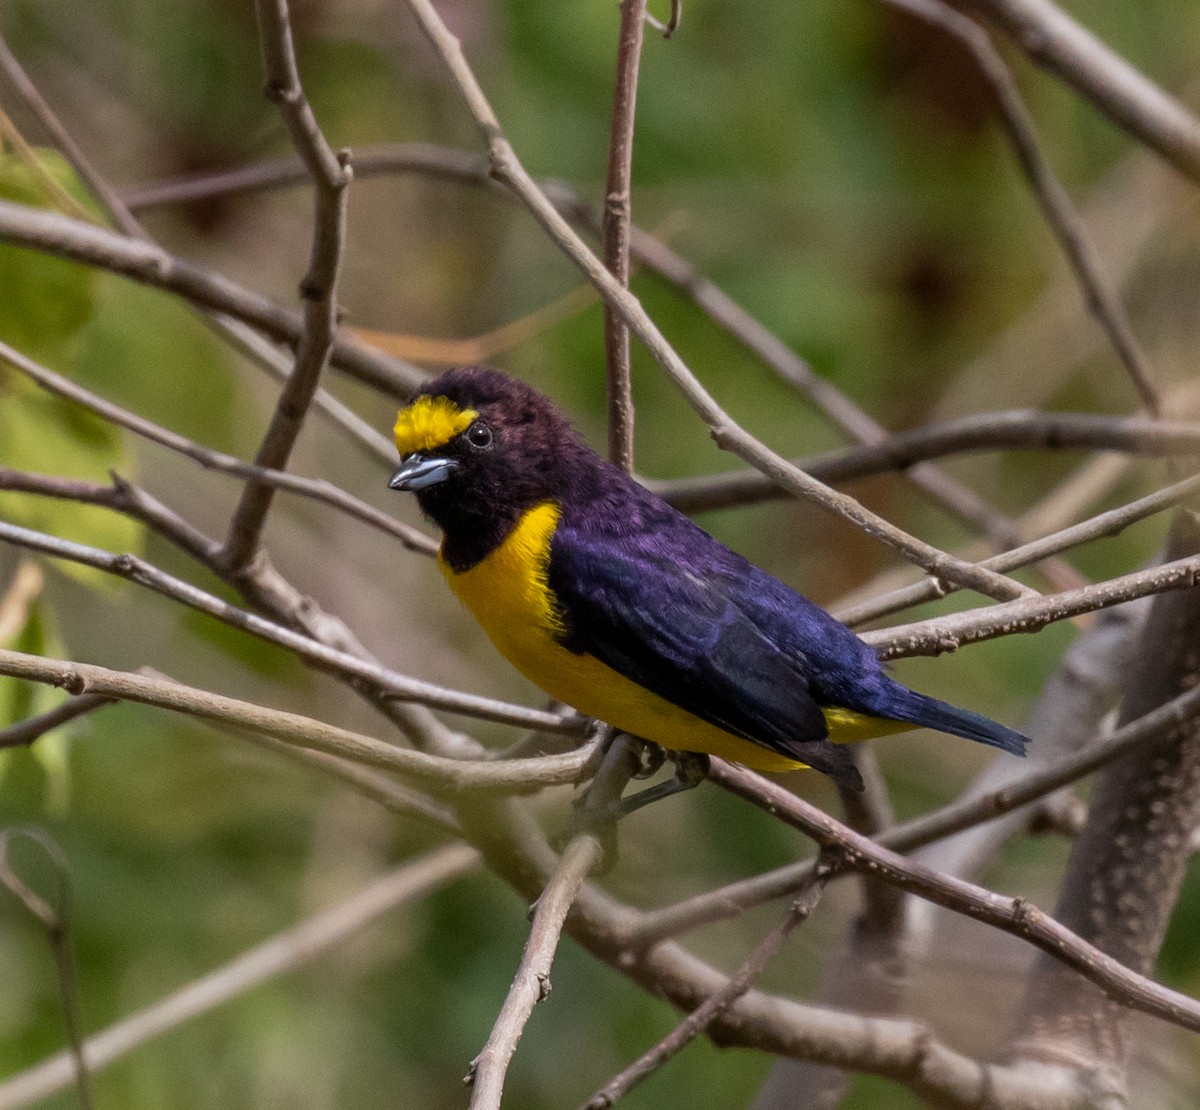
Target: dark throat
470,537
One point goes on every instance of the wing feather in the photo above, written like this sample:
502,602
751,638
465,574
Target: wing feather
650,608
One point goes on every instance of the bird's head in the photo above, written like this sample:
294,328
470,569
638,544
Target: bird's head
476,445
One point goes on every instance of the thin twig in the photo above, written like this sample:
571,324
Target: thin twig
331,176
56,919
267,591
985,431
1068,716
286,951
1064,221
729,435
234,331
24,733
1108,523
384,682
717,1003
617,214
943,634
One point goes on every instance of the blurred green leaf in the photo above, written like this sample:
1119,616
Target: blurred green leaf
46,300
48,435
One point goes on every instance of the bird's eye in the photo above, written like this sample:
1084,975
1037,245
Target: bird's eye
479,435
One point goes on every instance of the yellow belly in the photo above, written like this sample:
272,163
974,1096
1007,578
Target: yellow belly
508,595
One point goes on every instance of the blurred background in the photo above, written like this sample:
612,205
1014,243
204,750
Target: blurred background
836,168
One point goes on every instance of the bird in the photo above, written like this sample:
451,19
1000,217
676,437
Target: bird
615,603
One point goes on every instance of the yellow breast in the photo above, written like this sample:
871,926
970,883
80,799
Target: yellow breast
509,595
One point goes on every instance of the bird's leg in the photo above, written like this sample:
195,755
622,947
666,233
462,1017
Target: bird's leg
691,769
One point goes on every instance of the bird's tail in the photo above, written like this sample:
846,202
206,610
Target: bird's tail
919,709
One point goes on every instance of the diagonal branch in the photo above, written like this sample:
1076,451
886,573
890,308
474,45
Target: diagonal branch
317,489
1130,99
240,335
24,733
1108,523
717,1003
532,982
383,682
150,264
1012,915
1126,868
967,812
1064,221
942,634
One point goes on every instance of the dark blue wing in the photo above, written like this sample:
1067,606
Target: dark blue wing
664,604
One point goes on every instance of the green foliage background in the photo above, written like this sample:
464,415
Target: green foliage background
836,168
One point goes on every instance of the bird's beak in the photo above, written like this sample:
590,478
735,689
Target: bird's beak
421,471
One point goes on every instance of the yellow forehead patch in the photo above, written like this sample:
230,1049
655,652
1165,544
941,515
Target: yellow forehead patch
430,422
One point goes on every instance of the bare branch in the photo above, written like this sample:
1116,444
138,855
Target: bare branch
384,682
284,952
617,207
532,982
1103,524
16,76
151,265
461,166
1064,221
266,590
1066,719
234,331
56,918
731,900
1126,868
331,175
708,1011
317,489
24,733
942,634
901,451
1124,94
1012,915
436,774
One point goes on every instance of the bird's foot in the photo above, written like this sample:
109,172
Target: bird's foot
652,757
691,769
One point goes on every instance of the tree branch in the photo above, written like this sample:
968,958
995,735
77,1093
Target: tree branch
617,208
148,264
316,489
1064,221
1127,865
532,982
1012,915
708,1011
435,773
331,176
1130,99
